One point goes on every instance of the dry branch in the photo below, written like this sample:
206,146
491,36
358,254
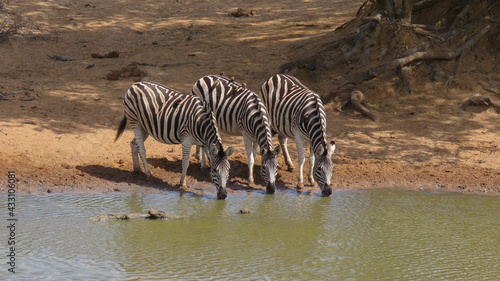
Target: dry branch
61,58
10,22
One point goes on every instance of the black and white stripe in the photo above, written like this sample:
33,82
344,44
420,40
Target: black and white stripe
239,111
297,112
174,118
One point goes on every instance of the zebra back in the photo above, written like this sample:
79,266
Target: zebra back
236,108
169,116
292,106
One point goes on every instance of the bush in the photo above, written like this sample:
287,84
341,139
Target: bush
10,23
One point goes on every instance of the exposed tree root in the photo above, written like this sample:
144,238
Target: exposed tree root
394,37
360,77
356,101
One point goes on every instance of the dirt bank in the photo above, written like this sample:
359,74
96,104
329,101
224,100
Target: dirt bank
58,118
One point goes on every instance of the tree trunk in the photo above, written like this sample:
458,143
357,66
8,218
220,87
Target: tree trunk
399,10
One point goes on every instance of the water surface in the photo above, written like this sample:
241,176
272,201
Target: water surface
386,234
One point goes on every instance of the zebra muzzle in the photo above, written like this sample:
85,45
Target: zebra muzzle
271,188
326,190
221,194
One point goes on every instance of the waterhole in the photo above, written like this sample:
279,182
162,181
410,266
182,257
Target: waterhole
385,234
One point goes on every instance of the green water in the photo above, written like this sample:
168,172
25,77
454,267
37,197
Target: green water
353,235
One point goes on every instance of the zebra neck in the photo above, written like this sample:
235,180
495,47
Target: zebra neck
258,123
203,129
317,134
264,138
210,136
316,143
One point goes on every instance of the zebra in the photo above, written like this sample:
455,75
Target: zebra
297,112
239,111
174,118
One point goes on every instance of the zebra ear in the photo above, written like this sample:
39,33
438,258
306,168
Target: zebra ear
229,151
320,151
277,150
216,83
331,148
213,149
231,91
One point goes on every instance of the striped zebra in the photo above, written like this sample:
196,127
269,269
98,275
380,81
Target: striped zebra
239,111
173,118
297,112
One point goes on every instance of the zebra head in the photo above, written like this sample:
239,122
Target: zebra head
269,168
323,166
219,168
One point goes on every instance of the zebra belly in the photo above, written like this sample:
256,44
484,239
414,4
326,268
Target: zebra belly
290,132
230,129
165,135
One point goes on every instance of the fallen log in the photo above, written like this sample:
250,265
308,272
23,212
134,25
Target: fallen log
151,214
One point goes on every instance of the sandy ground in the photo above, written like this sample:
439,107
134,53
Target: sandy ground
58,118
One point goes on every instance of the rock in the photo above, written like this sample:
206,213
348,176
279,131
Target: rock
239,13
156,214
132,70
245,211
480,100
110,55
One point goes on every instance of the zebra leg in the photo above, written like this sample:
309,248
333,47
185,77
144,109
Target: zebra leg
255,147
300,150
311,166
250,157
138,149
186,149
135,156
283,143
201,152
197,152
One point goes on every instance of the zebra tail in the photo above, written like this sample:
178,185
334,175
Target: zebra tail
121,127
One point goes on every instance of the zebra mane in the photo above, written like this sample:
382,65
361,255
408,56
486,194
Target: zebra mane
237,87
322,116
208,110
269,133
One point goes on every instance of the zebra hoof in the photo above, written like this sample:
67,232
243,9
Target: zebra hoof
313,183
290,168
300,186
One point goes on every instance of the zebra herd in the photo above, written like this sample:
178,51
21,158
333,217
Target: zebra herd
216,103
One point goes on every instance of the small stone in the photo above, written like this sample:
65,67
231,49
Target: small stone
245,211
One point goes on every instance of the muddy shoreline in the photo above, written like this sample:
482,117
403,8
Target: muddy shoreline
58,118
